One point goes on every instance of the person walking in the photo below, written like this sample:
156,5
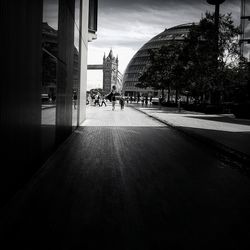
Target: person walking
150,100
142,100
103,101
75,100
122,102
131,99
138,99
113,99
97,100
146,100
93,99
89,99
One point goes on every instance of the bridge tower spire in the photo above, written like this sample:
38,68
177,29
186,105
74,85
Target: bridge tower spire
110,72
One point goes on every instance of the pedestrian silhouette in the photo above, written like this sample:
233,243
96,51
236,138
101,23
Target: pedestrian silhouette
112,96
103,101
150,100
142,101
122,102
146,100
75,100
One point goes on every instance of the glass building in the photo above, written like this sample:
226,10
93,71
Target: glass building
141,59
43,96
245,28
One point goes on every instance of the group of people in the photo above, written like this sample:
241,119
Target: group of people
96,100
143,99
113,96
100,100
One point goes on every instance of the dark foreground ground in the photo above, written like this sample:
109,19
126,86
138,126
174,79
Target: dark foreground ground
128,182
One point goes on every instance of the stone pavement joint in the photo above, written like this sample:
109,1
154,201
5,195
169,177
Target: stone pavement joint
234,154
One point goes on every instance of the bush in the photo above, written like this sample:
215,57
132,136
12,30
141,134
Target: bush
169,104
241,110
204,108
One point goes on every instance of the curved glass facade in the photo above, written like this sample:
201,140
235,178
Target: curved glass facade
141,59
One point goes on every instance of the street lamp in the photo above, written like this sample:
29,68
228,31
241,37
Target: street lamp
216,21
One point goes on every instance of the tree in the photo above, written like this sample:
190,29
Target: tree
207,66
164,69
197,65
237,82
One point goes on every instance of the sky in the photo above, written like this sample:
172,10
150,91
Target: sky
126,25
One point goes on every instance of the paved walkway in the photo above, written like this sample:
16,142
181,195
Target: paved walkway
104,116
224,131
126,181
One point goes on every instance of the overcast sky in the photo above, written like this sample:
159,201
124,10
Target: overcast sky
125,25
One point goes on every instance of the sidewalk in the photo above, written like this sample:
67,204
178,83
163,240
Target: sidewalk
124,181
222,131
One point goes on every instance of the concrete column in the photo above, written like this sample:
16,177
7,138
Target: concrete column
65,69
84,53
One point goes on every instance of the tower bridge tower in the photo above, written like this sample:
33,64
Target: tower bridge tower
110,72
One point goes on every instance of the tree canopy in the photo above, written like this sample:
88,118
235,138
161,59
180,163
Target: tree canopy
165,70
197,65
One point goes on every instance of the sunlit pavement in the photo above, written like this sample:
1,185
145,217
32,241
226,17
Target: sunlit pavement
126,181
225,130
105,116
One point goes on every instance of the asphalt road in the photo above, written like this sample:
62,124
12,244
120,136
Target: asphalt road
125,181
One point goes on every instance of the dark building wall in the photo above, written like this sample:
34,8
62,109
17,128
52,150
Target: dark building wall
20,92
22,132
65,69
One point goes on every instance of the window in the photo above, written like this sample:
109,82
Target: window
93,6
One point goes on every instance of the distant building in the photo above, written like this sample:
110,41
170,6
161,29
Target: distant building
119,85
141,59
245,29
110,72
49,60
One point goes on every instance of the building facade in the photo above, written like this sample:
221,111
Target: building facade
245,29
110,71
43,98
140,60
